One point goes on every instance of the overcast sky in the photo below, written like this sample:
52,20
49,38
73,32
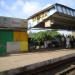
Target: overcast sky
25,8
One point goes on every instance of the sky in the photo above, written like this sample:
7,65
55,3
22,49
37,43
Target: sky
25,8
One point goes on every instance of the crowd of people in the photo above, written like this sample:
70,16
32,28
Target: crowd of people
60,41
56,42
68,41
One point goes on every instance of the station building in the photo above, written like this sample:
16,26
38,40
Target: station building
13,35
13,31
56,16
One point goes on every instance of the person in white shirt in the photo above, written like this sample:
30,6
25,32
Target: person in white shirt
68,42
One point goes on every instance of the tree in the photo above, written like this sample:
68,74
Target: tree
44,35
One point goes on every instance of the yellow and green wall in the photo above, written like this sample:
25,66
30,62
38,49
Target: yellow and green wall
13,41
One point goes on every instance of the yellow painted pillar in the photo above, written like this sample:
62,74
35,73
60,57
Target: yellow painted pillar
22,38
24,46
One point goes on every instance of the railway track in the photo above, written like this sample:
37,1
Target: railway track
68,71
64,67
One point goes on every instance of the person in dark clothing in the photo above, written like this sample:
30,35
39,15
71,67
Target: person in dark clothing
72,41
63,42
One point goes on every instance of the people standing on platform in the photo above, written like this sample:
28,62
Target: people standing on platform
68,45
63,41
72,41
45,44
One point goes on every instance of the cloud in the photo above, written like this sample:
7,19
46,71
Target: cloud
2,3
20,7
28,7
31,7
46,6
16,4
5,6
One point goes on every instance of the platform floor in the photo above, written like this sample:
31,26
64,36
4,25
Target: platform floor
14,61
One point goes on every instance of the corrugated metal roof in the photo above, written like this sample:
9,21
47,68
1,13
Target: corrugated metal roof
48,8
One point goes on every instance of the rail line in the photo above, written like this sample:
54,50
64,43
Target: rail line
67,71
63,67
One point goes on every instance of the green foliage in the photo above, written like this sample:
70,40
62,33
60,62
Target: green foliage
52,33
44,35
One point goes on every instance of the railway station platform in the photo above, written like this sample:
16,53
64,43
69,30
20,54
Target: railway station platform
16,63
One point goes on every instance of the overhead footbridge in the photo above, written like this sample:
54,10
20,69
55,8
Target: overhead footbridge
56,16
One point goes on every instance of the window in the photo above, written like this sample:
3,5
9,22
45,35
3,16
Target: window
68,11
71,13
64,10
59,8
74,13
